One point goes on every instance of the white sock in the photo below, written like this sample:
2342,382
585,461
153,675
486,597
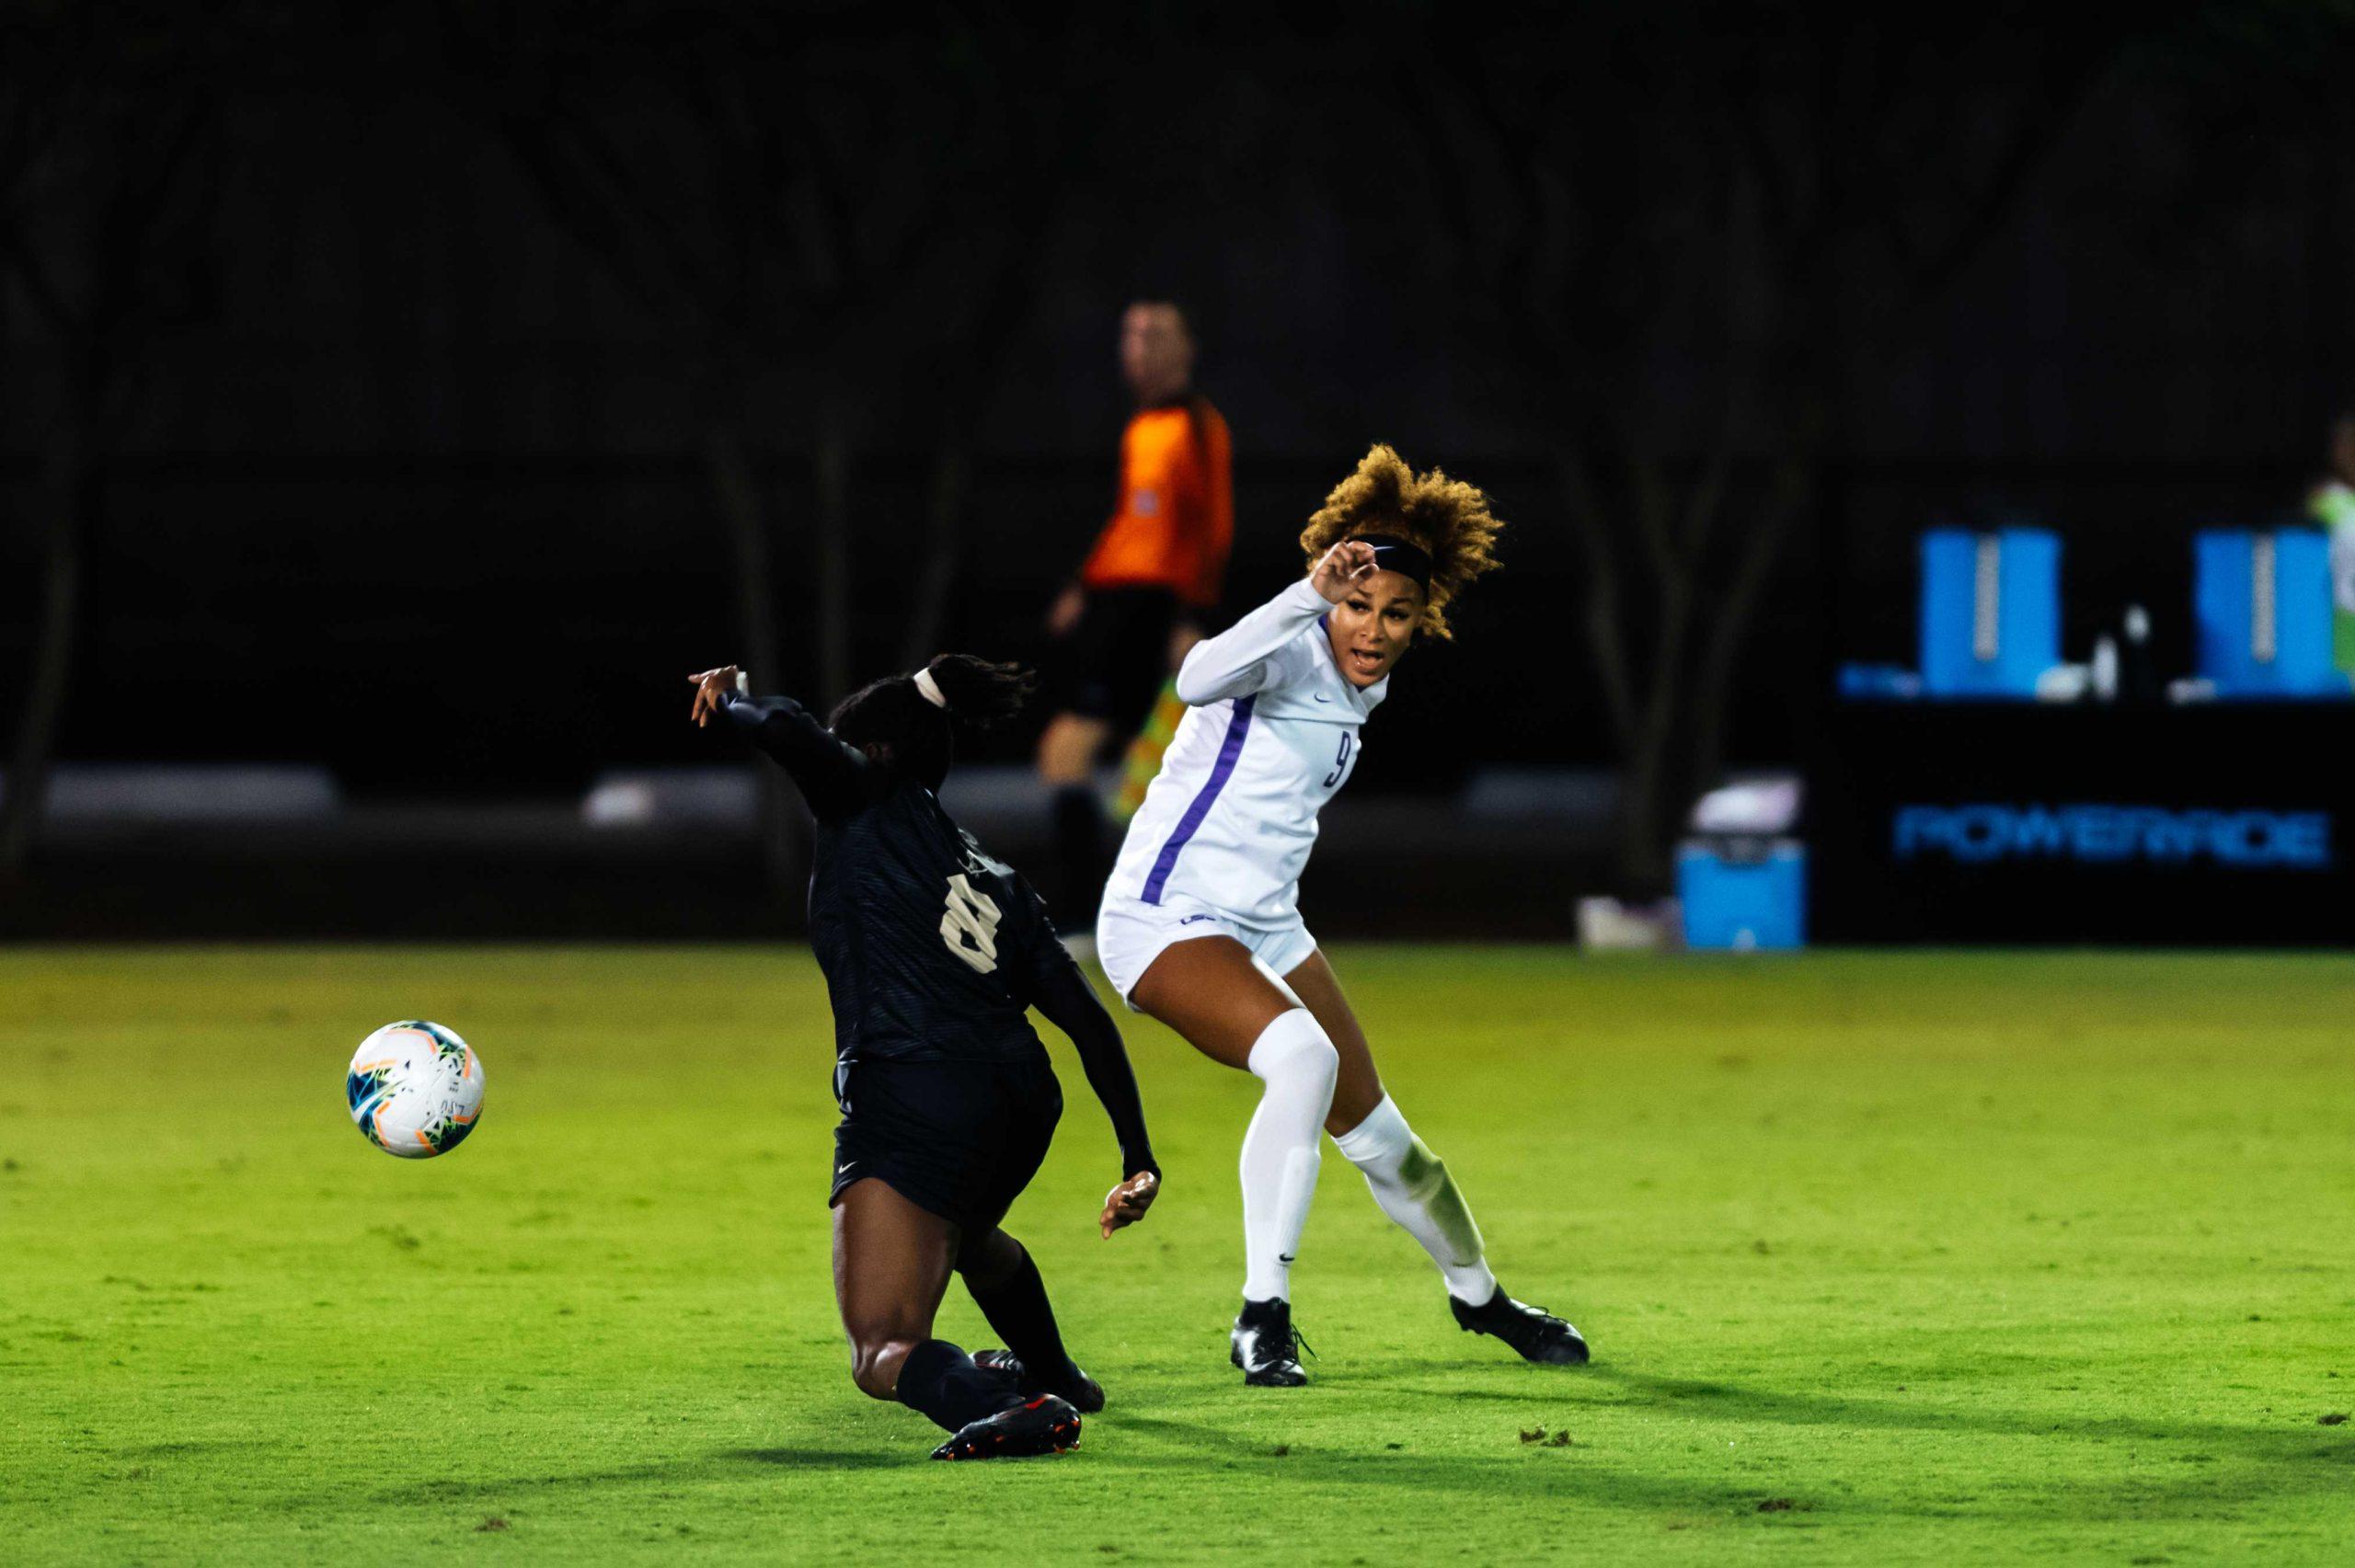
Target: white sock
1414,1188
1296,1061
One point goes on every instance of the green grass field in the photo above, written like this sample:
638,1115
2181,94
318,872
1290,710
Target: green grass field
1885,1258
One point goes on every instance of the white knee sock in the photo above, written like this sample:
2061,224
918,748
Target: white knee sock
1414,1188
1296,1061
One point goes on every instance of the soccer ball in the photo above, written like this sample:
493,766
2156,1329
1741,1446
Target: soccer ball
414,1089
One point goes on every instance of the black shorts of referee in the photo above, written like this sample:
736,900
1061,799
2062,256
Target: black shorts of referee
958,1138
1114,662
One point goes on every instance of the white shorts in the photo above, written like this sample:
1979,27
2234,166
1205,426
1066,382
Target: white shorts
1131,933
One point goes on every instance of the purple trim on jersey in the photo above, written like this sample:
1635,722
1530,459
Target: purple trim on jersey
1200,806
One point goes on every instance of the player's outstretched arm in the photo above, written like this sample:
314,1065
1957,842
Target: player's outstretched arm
1248,656
1063,996
832,777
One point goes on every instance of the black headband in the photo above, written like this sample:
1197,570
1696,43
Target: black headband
1397,555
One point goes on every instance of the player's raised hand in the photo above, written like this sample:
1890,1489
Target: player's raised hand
1346,562
711,693
1126,1204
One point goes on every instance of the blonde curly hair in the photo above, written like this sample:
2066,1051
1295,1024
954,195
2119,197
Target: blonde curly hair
1446,518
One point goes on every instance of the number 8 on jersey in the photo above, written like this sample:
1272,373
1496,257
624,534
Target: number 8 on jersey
969,924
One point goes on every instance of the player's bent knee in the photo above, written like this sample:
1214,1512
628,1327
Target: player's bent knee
875,1364
1295,1048
1326,1065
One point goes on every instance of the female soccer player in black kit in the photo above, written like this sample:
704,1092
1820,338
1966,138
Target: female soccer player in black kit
932,951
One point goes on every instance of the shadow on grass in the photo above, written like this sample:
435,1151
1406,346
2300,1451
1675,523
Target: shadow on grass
2261,1466
830,1458
2243,1468
2272,1457
2287,1437
717,1466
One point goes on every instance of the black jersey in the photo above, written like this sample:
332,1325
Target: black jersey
932,950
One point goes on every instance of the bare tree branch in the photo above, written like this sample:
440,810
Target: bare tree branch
1589,524
2054,106
1762,548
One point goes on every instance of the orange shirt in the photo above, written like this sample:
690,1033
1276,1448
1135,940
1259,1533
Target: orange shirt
1175,518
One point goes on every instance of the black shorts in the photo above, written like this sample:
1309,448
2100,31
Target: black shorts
1116,659
958,1138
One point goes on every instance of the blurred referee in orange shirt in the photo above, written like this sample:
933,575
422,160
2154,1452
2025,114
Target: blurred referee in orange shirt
1135,607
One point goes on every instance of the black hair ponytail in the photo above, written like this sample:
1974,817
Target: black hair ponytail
981,694
914,732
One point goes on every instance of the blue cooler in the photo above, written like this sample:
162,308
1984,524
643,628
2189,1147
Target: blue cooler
1991,611
2262,602
1742,894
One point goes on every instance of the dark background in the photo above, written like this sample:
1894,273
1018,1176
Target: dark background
418,391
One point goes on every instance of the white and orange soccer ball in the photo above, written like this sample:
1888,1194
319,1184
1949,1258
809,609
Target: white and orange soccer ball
414,1089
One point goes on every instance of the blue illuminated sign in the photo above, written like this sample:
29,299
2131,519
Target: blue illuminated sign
1977,834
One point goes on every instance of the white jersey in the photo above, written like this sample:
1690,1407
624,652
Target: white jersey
1270,733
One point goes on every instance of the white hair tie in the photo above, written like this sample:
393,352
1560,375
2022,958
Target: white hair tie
931,689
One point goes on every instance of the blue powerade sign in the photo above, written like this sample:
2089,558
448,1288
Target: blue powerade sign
2213,824
1984,834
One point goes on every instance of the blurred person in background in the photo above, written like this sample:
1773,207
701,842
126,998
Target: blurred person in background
2332,505
1134,610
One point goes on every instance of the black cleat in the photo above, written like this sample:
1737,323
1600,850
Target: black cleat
1266,1346
1043,1425
1084,1393
1533,1331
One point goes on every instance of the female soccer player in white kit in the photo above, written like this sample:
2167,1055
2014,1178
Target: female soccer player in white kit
1201,927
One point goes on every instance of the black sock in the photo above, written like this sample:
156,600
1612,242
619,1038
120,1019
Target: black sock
1018,1308
1080,830
939,1381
